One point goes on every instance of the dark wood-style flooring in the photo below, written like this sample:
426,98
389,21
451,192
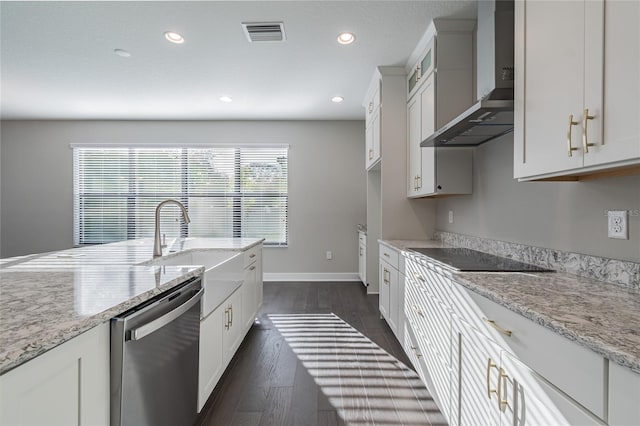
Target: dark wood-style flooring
319,354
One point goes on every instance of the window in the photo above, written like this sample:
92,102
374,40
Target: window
228,192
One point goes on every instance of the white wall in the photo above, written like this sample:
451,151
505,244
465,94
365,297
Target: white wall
327,182
568,216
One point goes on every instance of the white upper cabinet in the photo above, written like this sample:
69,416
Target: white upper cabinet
372,125
577,98
439,87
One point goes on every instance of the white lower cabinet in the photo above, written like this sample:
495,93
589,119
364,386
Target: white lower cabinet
252,286
234,292
486,365
211,363
362,257
69,385
624,396
391,302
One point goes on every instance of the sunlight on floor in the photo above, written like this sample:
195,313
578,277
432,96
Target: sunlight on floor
365,384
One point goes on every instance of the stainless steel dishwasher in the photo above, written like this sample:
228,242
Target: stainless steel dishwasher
154,360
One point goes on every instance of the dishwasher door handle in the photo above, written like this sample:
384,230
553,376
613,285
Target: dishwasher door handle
145,330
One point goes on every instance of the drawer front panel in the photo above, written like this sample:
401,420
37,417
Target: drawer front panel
389,255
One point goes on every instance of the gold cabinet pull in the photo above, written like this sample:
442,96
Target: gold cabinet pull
370,106
415,351
585,140
417,310
370,153
418,73
386,272
386,254
419,277
570,148
493,324
490,365
251,256
252,268
231,312
226,319
360,251
502,390
419,177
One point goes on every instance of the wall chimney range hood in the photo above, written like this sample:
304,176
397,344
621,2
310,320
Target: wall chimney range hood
492,115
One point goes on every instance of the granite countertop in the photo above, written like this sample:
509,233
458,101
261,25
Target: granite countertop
47,299
601,316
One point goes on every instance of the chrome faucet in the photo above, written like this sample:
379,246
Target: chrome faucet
157,244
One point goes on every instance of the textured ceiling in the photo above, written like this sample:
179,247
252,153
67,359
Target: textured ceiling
58,60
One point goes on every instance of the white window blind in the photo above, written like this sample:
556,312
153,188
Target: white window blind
228,192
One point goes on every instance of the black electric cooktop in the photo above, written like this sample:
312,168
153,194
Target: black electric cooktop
468,260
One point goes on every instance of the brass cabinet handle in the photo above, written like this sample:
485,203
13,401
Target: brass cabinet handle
251,256
502,390
385,271
490,365
360,251
419,73
226,319
419,177
231,311
570,148
585,119
252,268
417,310
415,351
419,277
386,254
493,324
370,153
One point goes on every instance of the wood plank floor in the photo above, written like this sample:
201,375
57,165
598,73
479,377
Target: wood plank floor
319,354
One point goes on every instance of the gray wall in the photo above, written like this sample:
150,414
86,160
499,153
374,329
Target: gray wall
327,182
568,216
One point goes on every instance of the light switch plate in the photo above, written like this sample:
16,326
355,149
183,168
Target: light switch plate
450,216
617,224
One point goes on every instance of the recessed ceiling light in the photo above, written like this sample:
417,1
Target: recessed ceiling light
346,38
174,37
122,53
226,99
337,99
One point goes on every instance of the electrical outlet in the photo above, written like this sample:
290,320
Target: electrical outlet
329,255
450,216
617,224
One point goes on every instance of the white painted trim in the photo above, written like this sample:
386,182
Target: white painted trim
311,276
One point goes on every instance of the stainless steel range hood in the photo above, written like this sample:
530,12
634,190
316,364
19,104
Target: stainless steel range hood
492,115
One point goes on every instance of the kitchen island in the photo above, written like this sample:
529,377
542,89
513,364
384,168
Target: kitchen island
54,300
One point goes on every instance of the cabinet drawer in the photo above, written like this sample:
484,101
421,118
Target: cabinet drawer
389,255
251,255
574,369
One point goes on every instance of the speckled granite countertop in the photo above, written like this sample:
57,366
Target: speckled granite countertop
600,316
47,299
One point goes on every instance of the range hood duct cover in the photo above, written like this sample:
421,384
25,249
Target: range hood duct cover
492,115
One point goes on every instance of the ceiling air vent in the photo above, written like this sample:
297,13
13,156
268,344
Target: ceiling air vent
264,31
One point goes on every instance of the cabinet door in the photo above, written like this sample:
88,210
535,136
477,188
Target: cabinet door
394,302
69,385
233,325
427,181
479,371
533,401
413,142
368,159
211,363
362,262
249,294
549,85
385,276
375,123
624,394
621,139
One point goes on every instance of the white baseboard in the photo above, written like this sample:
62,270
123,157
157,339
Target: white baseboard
311,276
